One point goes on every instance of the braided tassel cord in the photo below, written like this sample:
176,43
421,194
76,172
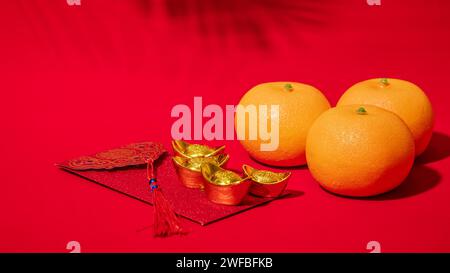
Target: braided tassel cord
166,222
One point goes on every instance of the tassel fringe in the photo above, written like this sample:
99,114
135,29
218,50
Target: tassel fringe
166,222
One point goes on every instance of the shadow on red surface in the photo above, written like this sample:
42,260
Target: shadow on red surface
247,20
420,180
438,149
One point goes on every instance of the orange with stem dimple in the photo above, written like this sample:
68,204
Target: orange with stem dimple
299,105
359,150
403,98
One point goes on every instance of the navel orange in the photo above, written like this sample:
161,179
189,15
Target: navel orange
298,106
359,150
404,98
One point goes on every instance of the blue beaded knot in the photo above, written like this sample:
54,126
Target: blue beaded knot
153,185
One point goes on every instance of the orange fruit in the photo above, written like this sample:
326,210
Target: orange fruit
404,98
358,150
299,105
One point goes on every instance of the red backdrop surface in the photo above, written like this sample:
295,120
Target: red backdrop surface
80,79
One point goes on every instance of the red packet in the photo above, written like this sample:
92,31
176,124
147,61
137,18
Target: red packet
124,170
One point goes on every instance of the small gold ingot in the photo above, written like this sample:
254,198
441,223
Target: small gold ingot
189,169
266,183
224,186
185,149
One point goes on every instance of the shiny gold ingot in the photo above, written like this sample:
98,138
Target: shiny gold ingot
266,183
185,149
224,186
189,169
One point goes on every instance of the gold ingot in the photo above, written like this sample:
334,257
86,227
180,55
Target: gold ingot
266,183
189,169
185,149
224,186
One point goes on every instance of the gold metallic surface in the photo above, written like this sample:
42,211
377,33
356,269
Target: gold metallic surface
219,176
224,187
266,183
195,163
265,177
188,150
189,169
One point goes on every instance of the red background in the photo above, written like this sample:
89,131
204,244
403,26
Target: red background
79,79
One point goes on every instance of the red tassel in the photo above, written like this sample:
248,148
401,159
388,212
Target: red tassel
166,222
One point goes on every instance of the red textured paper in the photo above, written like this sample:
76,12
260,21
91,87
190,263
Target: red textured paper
127,155
189,203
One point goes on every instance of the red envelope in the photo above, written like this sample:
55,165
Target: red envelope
124,170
